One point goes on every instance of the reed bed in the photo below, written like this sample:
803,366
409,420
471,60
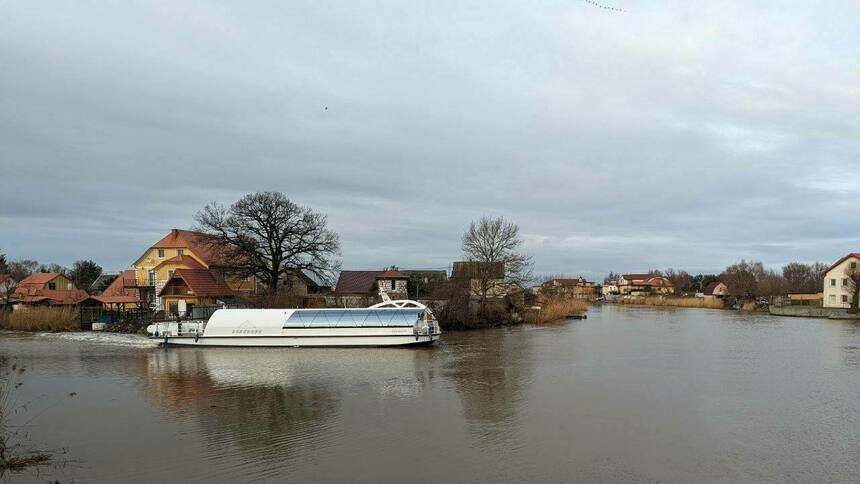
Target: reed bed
681,302
556,308
42,318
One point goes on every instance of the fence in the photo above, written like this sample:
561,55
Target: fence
90,315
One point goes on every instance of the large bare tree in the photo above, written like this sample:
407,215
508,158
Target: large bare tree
266,235
491,242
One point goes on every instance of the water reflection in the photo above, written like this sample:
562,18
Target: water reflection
490,371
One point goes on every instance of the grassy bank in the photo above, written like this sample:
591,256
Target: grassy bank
681,302
42,318
555,309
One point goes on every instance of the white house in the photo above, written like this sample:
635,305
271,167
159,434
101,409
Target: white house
838,288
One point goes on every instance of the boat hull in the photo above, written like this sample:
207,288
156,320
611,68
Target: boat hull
301,340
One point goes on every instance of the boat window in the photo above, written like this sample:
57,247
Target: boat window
329,318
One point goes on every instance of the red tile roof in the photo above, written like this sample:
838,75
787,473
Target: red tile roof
39,278
203,282
203,245
183,259
122,290
855,255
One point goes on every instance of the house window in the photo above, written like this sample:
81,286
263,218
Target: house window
844,281
853,265
161,253
833,299
180,252
169,274
845,298
52,286
151,278
833,282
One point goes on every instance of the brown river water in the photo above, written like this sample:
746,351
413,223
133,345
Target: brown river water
628,395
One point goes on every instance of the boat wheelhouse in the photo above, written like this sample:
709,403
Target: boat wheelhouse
391,323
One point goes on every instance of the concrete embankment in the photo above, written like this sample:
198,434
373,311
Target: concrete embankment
813,312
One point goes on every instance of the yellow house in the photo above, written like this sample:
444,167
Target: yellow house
183,249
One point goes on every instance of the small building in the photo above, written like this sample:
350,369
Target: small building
838,286
477,277
50,288
610,288
356,289
188,288
644,285
715,290
300,283
806,299
578,288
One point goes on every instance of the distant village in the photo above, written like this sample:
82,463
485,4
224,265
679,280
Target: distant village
181,271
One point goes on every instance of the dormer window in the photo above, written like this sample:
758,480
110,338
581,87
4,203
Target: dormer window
180,252
52,286
161,253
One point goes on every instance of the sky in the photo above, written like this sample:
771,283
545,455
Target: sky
686,134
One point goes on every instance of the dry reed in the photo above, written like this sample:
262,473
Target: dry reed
556,308
681,302
43,318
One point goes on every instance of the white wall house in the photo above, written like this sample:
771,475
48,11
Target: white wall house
837,285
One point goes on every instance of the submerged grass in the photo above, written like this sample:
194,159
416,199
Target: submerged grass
42,318
13,458
681,302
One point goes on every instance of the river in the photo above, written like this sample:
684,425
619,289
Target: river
632,394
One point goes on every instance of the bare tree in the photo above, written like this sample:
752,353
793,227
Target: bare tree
852,273
20,269
681,280
492,242
266,235
741,278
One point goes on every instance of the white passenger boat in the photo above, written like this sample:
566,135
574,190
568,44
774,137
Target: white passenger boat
390,323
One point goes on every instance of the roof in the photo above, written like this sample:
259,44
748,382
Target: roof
59,298
806,296
710,288
204,246
568,282
637,277
122,290
203,282
478,269
653,281
183,259
116,299
40,278
392,274
351,282
855,255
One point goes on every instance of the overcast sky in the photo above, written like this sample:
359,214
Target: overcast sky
683,134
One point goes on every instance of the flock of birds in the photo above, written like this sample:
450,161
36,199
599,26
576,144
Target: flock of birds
605,7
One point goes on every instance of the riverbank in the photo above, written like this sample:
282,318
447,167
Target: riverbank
675,301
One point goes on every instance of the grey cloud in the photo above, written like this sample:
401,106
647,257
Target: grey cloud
685,135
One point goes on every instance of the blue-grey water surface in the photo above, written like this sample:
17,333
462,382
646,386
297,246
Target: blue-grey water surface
628,395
